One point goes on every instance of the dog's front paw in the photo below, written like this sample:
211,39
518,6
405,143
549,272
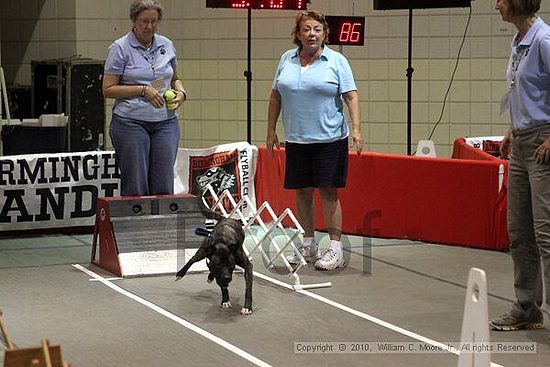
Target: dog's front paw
246,311
226,304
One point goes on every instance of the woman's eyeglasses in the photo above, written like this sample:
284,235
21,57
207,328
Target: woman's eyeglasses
145,22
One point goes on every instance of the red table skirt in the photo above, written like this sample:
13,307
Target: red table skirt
441,200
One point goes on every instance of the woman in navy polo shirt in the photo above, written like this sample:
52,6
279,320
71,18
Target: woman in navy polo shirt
528,141
140,67
311,85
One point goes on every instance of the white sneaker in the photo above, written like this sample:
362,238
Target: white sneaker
310,254
330,260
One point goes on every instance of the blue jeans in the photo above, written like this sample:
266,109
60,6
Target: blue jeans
145,152
529,223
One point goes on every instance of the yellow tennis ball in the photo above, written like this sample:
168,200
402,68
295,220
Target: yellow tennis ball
169,95
171,105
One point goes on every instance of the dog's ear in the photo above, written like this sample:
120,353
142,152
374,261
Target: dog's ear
234,245
210,251
209,245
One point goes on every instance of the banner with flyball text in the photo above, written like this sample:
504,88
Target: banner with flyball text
225,167
60,190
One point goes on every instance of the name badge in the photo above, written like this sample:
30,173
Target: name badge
159,84
505,102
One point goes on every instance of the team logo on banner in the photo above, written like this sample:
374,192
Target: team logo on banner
218,178
224,167
220,170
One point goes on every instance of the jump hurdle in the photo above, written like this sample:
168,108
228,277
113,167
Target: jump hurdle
44,356
290,240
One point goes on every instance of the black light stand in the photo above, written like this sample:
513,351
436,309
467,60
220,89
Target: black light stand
410,71
410,5
248,75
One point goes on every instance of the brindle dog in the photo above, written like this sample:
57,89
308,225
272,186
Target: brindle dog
223,249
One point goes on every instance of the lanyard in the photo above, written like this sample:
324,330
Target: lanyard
516,60
150,59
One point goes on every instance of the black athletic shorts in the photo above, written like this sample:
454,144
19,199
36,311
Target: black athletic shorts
321,165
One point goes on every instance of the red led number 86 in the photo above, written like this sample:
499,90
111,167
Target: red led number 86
350,32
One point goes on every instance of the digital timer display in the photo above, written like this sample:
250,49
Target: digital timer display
258,4
349,31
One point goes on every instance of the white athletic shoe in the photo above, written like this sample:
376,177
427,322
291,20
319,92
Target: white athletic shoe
310,254
330,260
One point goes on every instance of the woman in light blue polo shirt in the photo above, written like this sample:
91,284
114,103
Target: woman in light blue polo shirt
528,141
140,67
311,86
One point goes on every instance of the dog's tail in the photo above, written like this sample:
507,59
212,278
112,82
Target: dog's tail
208,213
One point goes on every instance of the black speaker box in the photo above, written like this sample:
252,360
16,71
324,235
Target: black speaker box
419,4
19,97
73,87
21,139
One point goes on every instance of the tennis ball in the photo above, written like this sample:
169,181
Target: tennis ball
171,106
169,95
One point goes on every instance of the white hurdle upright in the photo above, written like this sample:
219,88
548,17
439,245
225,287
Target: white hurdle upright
290,240
475,324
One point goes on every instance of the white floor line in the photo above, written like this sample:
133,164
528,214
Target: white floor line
365,316
250,357
109,279
241,353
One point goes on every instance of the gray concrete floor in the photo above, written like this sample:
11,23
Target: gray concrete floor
398,291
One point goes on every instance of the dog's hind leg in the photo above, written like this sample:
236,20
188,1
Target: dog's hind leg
225,298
